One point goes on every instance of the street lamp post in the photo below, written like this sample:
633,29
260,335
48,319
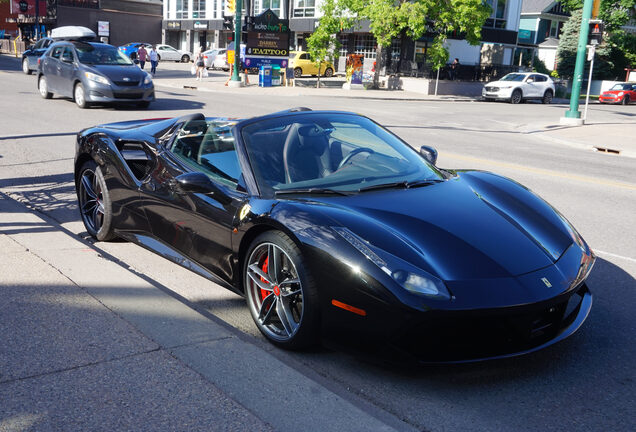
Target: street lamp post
237,41
573,115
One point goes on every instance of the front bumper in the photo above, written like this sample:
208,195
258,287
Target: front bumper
610,99
500,93
493,334
98,92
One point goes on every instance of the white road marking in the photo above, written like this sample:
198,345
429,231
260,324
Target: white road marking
598,252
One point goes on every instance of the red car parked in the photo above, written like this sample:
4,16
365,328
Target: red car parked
620,93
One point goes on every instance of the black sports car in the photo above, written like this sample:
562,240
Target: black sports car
331,226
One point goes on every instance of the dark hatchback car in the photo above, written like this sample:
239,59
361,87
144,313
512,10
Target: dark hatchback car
30,56
91,72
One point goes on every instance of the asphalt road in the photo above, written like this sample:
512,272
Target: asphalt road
584,383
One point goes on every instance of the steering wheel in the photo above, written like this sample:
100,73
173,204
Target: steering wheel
350,156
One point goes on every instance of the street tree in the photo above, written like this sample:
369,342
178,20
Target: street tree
392,19
323,45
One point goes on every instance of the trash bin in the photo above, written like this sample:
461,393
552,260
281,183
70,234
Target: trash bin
275,75
265,76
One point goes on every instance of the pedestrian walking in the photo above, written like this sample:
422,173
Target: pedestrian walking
142,55
454,67
200,64
154,59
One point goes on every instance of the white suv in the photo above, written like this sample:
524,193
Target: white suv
520,86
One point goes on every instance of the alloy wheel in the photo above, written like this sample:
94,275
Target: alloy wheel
516,97
91,201
80,99
274,291
25,67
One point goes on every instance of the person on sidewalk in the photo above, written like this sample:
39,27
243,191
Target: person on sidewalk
154,59
200,64
454,68
142,55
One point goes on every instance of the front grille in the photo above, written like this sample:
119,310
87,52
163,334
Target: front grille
127,83
492,89
128,95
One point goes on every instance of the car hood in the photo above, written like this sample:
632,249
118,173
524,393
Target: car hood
119,73
474,226
504,83
608,92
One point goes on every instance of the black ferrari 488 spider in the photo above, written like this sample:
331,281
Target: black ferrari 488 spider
332,227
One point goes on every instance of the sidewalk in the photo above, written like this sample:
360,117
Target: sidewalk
90,345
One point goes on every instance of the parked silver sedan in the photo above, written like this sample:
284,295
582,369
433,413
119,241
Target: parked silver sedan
168,53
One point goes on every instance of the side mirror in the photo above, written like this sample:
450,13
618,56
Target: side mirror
197,182
67,59
429,154
530,80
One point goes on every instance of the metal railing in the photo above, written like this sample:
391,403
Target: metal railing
483,73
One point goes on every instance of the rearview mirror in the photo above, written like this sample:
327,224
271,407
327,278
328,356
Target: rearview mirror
429,154
197,182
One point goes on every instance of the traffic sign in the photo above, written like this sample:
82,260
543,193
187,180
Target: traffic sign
595,36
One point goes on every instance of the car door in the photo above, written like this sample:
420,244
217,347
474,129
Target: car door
198,225
51,68
66,68
532,86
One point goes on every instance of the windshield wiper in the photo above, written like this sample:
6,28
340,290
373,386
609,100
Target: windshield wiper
313,191
401,184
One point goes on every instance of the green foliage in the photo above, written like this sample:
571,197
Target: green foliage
389,19
609,60
539,66
614,13
554,74
323,44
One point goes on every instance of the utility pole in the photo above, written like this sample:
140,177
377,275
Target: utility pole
573,115
237,41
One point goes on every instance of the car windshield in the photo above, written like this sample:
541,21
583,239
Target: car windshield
101,55
331,153
622,87
513,77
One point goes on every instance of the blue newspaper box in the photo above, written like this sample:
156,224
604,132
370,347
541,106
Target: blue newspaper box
265,76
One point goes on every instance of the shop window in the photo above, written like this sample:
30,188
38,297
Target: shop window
498,17
182,9
365,45
262,5
198,9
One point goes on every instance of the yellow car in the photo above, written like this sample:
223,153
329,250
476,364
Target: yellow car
302,64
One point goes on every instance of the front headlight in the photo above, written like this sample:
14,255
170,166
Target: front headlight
621,93
419,284
97,78
148,79
414,280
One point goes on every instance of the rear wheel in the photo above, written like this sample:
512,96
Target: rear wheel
547,97
625,100
298,72
516,97
44,89
328,72
25,66
94,202
185,58
80,96
280,292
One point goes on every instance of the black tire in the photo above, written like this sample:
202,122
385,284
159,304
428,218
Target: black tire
516,97
289,315
547,97
133,56
298,72
25,66
625,100
328,73
79,95
94,202
185,58
44,88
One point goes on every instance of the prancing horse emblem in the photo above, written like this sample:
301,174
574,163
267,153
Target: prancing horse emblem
546,282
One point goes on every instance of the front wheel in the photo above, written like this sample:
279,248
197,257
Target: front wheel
298,72
25,66
328,72
547,97
94,202
80,96
185,58
280,292
44,88
625,100
516,97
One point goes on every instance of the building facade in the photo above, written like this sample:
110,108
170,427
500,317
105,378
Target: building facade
539,29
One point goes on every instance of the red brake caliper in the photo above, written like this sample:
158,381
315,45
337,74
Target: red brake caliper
264,293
